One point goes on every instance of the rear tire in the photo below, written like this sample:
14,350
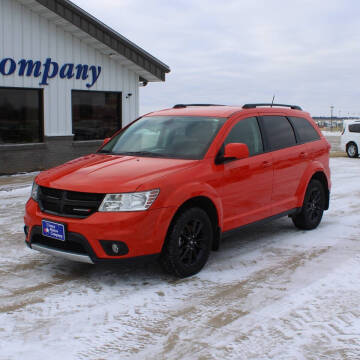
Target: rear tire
352,150
188,243
313,207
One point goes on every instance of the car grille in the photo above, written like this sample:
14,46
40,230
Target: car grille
68,203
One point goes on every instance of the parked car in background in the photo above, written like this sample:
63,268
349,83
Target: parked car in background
174,182
350,138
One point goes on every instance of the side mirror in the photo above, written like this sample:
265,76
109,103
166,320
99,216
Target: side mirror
106,141
236,151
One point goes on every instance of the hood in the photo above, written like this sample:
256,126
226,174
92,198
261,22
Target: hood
100,173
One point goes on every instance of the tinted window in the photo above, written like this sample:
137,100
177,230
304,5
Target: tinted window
304,129
354,128
20,115
247,131
96,115
279,132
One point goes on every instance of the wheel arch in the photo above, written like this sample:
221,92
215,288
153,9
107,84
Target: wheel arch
351,142
320,176
206,204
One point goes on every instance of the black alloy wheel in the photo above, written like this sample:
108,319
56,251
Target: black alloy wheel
313,207
188,243
191,242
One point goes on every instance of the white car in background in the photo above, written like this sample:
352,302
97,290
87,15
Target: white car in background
350,138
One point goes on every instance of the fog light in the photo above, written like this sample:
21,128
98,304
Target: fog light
115,248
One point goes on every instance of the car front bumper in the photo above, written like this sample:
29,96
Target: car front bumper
142,232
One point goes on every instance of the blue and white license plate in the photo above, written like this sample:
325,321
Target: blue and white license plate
53,230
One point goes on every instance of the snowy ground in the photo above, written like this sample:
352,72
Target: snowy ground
272,292
331,133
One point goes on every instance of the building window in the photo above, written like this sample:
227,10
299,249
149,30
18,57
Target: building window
96,115
21,116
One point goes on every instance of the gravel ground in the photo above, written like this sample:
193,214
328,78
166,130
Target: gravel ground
271,292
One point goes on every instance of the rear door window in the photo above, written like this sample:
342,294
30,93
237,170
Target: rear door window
304,129
279,131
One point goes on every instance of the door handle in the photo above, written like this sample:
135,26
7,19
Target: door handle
303,155
266,163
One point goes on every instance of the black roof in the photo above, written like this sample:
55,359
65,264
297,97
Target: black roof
98,30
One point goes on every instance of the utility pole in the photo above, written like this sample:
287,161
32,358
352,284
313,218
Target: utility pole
341,120
331,116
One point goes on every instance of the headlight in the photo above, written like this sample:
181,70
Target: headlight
34,191
129,201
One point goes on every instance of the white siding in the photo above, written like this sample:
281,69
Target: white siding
27,35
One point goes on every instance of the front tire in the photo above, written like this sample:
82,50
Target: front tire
352,150
188,243
313,207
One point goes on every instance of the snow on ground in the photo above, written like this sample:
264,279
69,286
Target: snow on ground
331,133
272,292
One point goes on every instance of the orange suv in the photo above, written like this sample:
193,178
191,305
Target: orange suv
173,182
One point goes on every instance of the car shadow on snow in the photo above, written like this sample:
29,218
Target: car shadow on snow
139,271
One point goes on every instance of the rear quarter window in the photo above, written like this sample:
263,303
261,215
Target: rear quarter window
304,129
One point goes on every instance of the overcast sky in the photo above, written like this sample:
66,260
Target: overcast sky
238,51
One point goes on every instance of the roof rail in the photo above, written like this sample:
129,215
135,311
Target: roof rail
178,106
251,106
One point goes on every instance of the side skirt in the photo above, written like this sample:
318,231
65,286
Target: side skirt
289,213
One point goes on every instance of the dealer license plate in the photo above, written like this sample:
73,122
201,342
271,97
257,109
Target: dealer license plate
53,230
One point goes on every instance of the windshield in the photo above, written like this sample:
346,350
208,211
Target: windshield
182,137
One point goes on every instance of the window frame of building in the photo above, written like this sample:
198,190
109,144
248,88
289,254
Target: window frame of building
40,92
119,118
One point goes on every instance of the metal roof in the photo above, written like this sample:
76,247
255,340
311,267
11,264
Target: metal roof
109,37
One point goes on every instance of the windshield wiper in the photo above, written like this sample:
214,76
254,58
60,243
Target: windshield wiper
105,152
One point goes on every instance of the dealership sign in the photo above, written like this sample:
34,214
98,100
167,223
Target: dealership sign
49,70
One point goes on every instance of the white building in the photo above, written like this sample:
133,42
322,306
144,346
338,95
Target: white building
66,82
